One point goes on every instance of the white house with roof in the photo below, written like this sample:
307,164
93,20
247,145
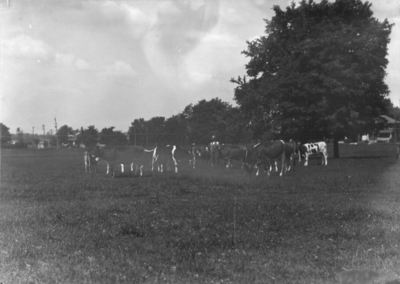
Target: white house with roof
387,134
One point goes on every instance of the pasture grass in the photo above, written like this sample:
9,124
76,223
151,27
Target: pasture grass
60,225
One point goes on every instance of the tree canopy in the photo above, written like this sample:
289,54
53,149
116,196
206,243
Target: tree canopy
89,136
318,72
214,117
111,137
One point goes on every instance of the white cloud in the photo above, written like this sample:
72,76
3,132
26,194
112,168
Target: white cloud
199,77
70,60
120,68
120,15
139,23
27,47
64,59
82,64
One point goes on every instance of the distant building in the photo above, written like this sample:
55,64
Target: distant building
43,144
72,138
387,134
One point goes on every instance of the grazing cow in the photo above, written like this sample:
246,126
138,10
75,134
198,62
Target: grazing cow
264,153
135,155
164,155
90,162
314,148
201,153
233,152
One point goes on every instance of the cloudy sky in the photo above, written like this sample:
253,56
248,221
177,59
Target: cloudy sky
105,63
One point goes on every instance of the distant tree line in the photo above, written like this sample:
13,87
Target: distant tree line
195,124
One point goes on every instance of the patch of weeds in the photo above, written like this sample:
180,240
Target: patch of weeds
131,230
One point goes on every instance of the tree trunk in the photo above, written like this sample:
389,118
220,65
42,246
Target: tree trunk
336,146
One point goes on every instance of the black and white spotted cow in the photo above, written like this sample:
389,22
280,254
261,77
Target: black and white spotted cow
164,156
318,148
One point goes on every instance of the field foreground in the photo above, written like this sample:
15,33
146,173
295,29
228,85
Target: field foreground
60,225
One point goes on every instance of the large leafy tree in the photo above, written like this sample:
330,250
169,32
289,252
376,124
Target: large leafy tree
4,133
318,72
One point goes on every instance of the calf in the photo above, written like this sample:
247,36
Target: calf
308,149
261,154
90,162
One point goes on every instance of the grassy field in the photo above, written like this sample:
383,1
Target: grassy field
61,225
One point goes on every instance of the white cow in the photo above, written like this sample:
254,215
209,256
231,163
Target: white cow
314,148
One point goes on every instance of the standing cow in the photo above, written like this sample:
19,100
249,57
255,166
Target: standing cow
165,155
134,156
263,154
318,148
233,152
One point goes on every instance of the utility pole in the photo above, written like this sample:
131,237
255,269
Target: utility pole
147,140
134,133
44,135
395,128
55,123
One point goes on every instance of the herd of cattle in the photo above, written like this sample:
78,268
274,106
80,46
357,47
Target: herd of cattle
162,158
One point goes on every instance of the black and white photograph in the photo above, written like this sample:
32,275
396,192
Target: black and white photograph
200,141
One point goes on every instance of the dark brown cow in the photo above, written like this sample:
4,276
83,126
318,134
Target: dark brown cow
291,149
263,154
233,152
143,159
